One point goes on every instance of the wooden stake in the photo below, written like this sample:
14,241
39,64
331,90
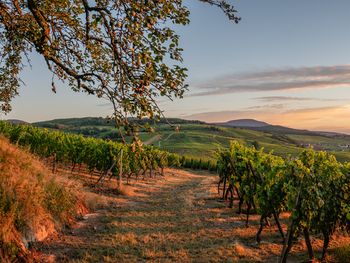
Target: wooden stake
120,170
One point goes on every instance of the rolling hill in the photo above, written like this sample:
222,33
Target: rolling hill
199,139
276,129
244,123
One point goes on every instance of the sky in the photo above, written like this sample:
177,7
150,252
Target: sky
286,63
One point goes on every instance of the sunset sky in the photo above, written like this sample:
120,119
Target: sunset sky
286,63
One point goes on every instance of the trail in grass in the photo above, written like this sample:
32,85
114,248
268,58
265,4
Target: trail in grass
178,218
153,139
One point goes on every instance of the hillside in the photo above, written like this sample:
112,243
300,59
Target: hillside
15,121
199,139
244,123
276,129
171,215
101,127
33,203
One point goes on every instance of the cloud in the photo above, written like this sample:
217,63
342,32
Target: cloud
322,118
282,98
290,98
268,106
278,80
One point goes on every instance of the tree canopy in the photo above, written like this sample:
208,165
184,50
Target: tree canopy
122,50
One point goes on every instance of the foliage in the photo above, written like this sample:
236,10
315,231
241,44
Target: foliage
124,51
314,188
228,9
96,154
112,49
200,140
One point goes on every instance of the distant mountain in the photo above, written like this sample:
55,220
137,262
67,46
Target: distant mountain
15,121
245,123
332,134
256,125
277,129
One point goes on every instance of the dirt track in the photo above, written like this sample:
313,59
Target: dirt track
178,218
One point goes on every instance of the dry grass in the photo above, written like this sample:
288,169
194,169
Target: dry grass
33,203
175,219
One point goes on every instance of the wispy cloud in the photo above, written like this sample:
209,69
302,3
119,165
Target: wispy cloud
278,80
290,98
268,106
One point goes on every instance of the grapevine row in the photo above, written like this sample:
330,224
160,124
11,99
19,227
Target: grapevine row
97,154
313,188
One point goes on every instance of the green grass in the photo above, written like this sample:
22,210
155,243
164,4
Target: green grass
200,140
203,141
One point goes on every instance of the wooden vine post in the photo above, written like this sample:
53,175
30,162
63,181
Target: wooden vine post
288,242
120,170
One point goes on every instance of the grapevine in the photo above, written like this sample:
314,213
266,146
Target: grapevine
313,188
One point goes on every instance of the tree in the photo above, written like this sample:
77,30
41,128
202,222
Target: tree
227,8
122,50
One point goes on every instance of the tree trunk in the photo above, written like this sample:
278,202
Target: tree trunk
73,166
258,239
308,244
287,244
279,225
231,198
223,190
249,206
289,238
325,245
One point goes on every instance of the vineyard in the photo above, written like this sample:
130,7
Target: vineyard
313,188
104,157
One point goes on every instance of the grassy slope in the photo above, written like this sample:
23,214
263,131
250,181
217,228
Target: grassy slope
178,219
33,203
199,140
202,140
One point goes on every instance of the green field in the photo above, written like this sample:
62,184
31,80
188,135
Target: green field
197,139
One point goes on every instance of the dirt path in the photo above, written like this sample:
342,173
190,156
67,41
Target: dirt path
178,218
153,139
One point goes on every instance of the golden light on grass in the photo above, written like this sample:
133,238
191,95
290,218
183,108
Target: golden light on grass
239,249
160,224
126,238
33,203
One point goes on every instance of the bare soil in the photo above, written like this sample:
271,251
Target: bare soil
175,218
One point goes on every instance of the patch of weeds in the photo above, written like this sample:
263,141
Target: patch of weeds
58,201
10,208
11,250
6,202
342,254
